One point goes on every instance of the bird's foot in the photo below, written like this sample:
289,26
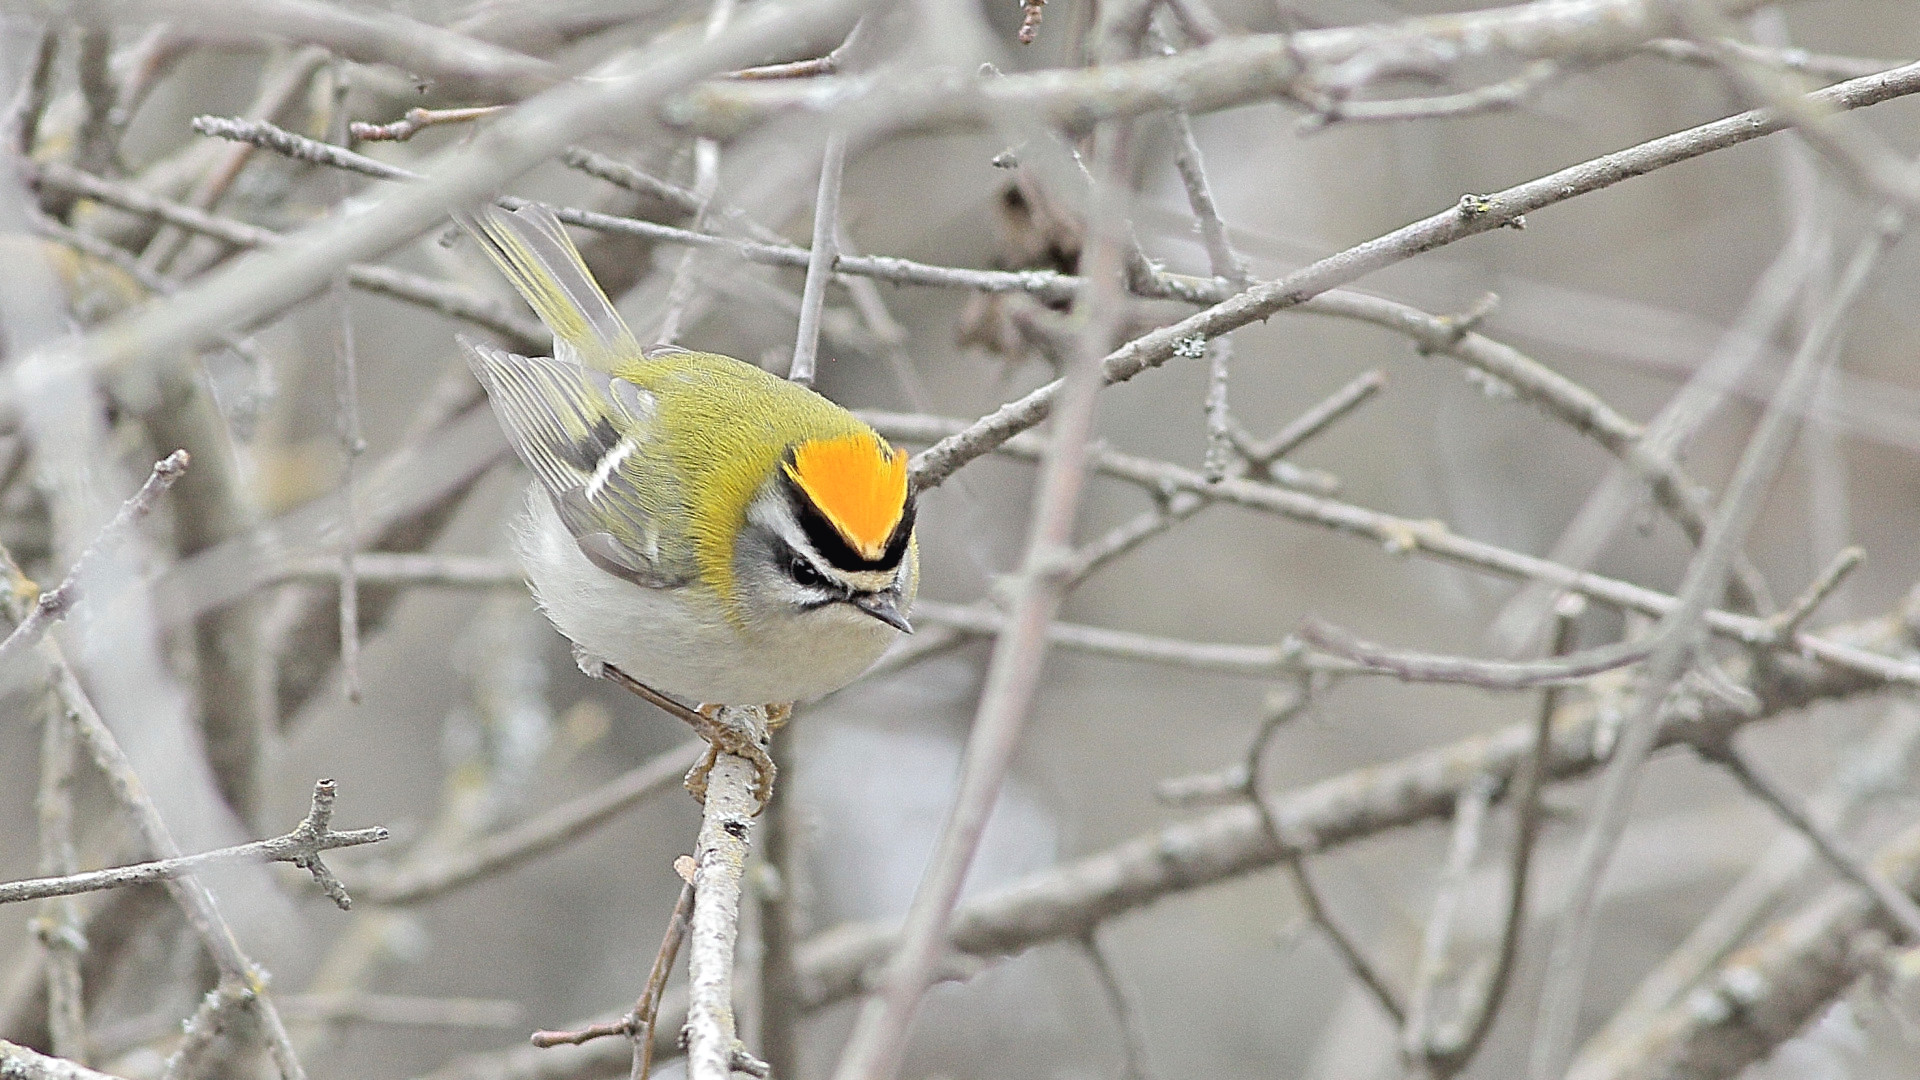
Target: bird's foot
741,741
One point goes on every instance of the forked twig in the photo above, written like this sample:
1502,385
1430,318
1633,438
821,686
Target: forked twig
301,847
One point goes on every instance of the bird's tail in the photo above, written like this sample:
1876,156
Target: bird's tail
532,249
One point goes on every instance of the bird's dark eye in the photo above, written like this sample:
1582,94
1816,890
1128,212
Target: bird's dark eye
804,574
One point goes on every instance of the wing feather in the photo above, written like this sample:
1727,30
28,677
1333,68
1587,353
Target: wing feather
581,438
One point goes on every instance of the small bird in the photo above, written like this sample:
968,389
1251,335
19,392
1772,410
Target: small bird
714,532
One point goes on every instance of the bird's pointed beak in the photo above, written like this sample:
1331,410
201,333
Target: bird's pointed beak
886,608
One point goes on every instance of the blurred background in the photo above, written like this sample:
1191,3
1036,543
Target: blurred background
471,715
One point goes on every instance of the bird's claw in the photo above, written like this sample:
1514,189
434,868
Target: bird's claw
725,738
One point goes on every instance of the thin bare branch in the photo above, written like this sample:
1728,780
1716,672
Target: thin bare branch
1506,94
1486,674
1469,822
1454,1045
1898,907
203,914
1788,619
1485,213
407,1010
409,569
23,120
1872,165
301,847
1312,904
1222,259
58,925
646,1011
1044,283
1126,1012
416,120
1818,65
54,604
1331,410
826,64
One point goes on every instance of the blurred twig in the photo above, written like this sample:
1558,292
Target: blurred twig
1706,573
412,884
58,926
400,1009
1452,1046
1126,1013
874,1050
246,290
821,257
237,971
1306,66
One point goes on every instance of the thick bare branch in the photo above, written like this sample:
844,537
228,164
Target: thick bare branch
1765,994
466,66
1061,902
1230,71
254,287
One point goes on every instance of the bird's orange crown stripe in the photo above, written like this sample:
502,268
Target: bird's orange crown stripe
858,483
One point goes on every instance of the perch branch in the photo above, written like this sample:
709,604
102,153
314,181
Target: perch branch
720,859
